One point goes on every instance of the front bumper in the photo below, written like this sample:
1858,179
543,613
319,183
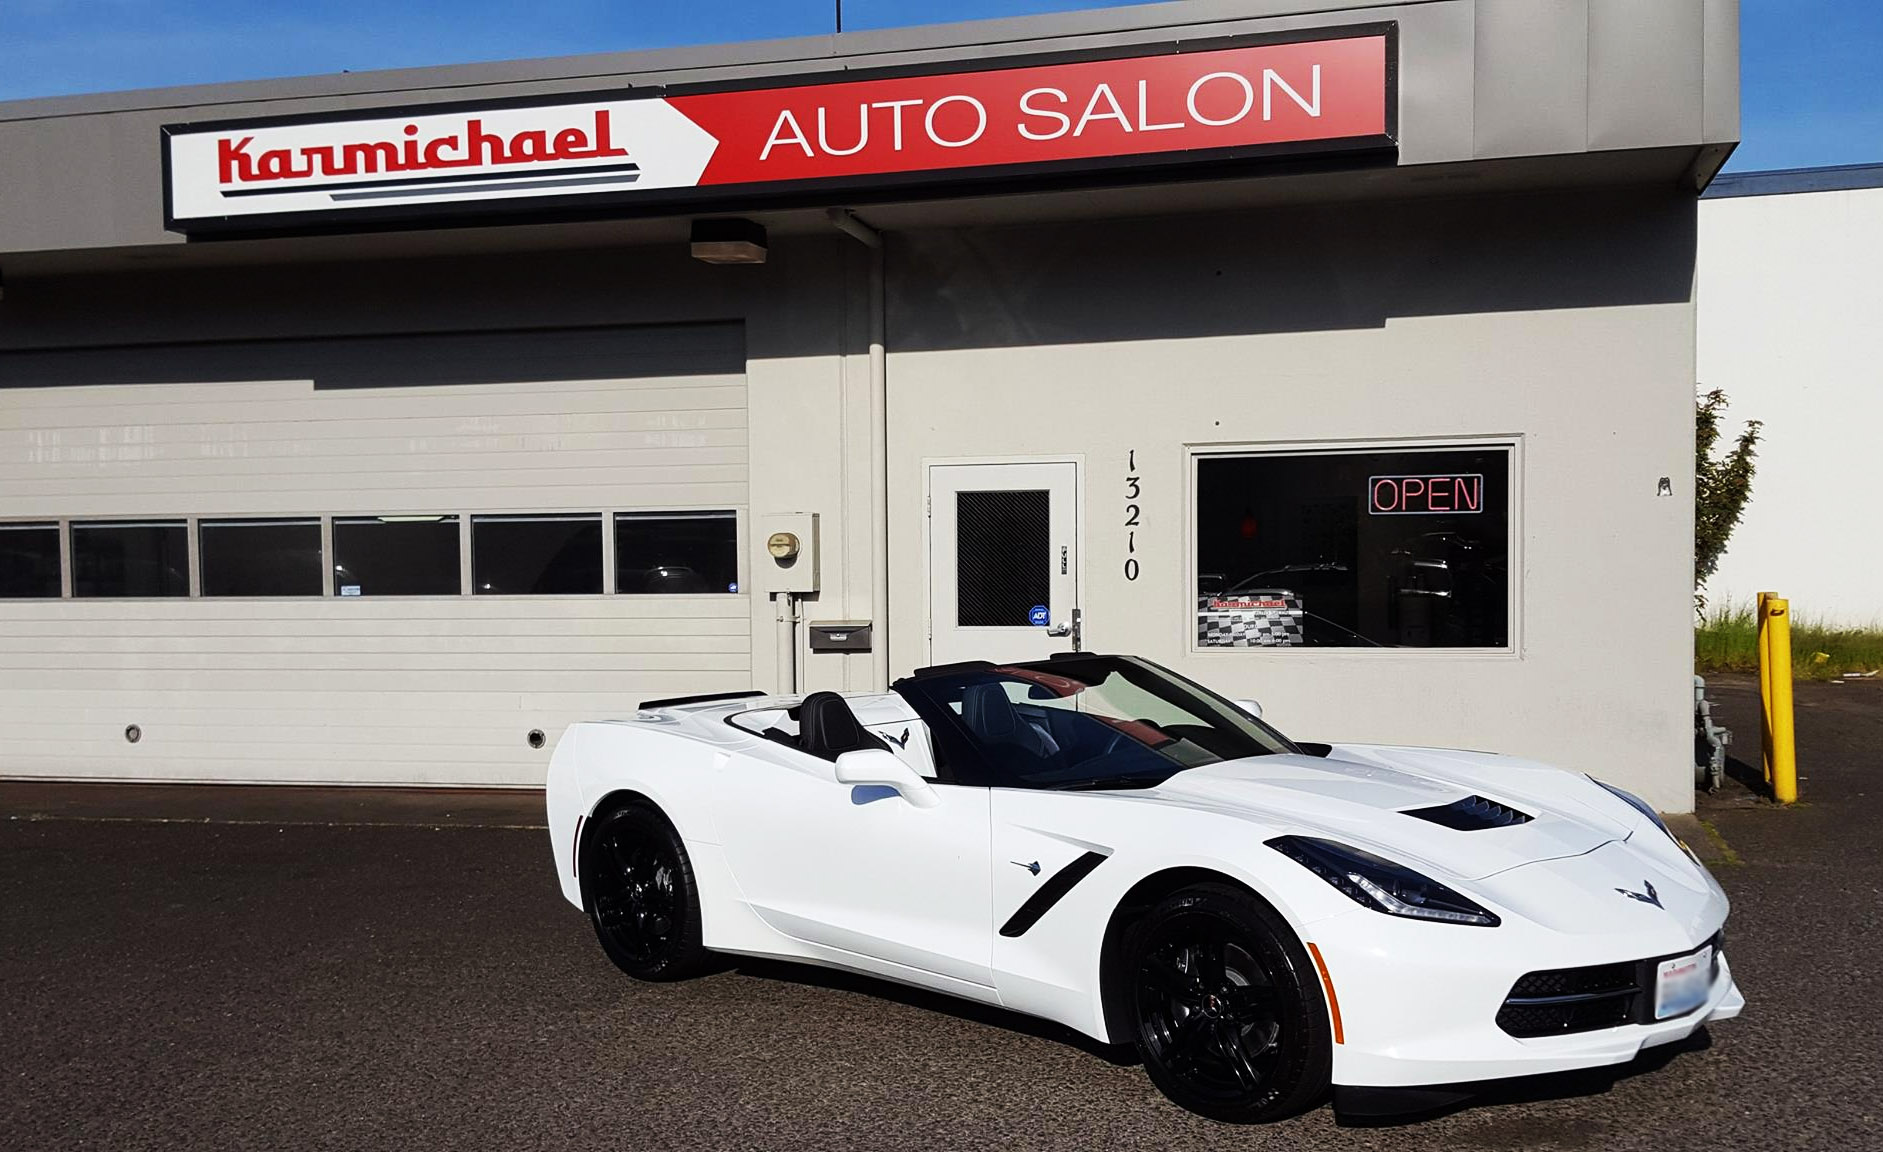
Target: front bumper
1419,1004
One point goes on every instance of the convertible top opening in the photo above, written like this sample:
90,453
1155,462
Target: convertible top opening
1080,721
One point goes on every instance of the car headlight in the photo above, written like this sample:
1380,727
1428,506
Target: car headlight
1382,885
1641,806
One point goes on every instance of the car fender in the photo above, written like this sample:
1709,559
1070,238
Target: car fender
593,761
1054,968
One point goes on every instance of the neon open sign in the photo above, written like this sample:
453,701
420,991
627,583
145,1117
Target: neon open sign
1447,494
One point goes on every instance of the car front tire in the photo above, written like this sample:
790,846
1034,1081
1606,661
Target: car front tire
1230,1018
642,899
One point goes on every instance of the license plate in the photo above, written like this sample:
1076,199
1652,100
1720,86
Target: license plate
1683,983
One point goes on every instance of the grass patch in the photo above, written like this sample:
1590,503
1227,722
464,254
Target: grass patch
1727,640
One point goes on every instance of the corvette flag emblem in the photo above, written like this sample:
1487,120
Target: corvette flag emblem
1650,896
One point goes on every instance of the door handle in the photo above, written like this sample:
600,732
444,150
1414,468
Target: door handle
1074,628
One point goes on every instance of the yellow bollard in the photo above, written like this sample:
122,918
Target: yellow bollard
1765,689
1778,652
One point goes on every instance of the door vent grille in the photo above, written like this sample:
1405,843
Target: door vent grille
1472,814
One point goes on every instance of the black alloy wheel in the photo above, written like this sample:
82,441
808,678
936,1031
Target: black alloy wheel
1231,1020
641,895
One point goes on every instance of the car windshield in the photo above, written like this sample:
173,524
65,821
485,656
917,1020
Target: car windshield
1082,722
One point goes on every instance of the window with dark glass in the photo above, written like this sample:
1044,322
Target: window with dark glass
395,556
676,552
1400,549
260,557
131,558
1002,557
536,555
29,561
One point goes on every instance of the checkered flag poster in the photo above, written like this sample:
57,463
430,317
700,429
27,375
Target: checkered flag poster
1270,618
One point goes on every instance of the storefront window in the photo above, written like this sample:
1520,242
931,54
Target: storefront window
1400,549
395,556
131,558
260,557
659,552
536,555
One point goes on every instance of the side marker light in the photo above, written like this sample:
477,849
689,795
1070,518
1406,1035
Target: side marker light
1333,1001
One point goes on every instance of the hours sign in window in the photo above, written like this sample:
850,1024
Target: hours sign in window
1392,549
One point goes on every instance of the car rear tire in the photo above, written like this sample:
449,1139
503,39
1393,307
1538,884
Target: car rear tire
638,885
1230,1017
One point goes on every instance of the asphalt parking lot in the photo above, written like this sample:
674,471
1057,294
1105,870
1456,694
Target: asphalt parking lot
229,968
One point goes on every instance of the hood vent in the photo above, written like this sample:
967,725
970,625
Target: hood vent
1471,814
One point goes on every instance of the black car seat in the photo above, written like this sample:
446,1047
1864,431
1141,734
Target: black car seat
987,711
827,728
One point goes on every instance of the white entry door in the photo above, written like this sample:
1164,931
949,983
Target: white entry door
1003,548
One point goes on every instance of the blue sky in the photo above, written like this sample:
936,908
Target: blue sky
1813,69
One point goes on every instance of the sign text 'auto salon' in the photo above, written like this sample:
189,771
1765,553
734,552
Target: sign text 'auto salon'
1161,109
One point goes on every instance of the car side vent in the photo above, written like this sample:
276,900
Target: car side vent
1472,814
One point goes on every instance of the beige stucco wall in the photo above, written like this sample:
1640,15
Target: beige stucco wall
1564,324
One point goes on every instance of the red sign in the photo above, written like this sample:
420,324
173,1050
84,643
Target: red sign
684,147
1231,98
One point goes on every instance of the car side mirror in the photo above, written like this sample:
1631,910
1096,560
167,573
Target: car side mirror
1251,707
875,768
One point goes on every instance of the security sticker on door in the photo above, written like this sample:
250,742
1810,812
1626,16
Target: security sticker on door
1682,983
1038,616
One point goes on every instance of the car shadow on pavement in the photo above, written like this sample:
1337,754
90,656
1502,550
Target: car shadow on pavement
1530,1089
1450,1098
1119,1055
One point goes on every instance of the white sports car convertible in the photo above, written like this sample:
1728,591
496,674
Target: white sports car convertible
1098,841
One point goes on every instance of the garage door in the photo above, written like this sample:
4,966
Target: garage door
383,560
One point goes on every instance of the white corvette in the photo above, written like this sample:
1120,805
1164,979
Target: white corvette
1098,841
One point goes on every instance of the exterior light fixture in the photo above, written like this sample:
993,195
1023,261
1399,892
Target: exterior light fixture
730,240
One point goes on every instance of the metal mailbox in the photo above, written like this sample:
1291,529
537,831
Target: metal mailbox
840,635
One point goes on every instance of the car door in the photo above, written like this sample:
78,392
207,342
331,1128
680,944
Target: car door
882,884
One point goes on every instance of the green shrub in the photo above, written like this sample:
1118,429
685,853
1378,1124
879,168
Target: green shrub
1721,487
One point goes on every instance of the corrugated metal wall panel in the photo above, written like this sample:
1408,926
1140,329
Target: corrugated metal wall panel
431,690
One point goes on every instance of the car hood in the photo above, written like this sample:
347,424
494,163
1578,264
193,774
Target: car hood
1360,794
